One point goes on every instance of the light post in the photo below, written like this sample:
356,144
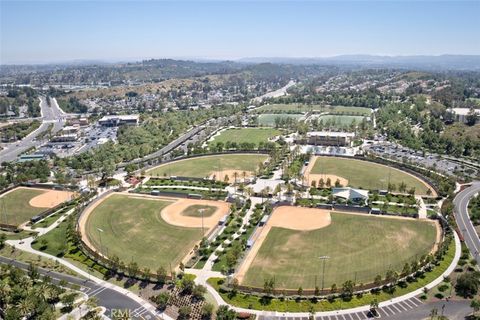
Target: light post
201,211
324,258
100,231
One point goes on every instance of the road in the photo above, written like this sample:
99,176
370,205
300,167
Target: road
50,114
110,299
463,220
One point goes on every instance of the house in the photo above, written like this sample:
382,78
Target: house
460,114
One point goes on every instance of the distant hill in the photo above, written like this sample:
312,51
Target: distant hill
443,62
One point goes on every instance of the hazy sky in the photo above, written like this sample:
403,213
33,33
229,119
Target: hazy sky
42,31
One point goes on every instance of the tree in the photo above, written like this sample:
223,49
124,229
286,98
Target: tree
68,300
300,291
347,289
475,305
207,311
328,183
199,291
161,274
132,269
184,312
3,238
468,284
321,183
269,286
186,285
225,313
471,117
161,300
333,288
374,307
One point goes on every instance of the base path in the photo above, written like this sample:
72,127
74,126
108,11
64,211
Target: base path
51,198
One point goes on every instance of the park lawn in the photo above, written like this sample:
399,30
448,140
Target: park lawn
195,211
359,247
367,175
250,135
134,230
18,209
342,120
202,167
300,108
269,119
290,305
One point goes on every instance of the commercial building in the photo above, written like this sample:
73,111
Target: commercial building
327,138
115,121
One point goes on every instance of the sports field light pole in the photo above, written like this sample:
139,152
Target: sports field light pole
201,211
324,258
100,231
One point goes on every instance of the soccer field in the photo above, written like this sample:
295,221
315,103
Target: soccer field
358,247
269,119
251,135
340,120
134,230
202,167
22,203
365,174
301,108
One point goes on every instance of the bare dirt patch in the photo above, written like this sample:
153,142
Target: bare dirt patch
309,177
295,218
51,198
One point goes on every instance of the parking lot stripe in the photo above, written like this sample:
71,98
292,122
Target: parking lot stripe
395,307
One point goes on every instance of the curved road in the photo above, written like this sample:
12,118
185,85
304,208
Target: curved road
111,299
463,220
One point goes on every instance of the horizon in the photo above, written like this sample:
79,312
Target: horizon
46,32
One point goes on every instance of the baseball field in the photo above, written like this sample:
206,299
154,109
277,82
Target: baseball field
208,166
356,247
362,174
152,231
20,204
251,135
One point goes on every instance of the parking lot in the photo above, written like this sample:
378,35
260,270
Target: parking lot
421,158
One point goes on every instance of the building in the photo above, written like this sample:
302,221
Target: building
328,138
460,114
32,157
354,195
115,121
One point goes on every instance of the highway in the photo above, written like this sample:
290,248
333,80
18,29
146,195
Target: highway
50,114
463,220
108,298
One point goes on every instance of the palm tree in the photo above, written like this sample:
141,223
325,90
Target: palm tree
374,307
25,306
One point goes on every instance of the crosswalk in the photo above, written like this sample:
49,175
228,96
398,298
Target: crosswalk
383,312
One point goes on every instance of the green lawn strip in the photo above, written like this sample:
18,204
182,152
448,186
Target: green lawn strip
366,175
250,301
47,222
250,135
202,167
17,207
270,119
22,234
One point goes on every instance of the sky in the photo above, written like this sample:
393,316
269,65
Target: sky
62,31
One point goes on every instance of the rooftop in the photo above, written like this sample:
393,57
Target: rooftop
330,134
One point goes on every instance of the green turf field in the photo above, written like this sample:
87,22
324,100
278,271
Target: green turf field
202,167
252,135
196,211
269,119
340,120
133,229
17,209
358,246
366,175
300,108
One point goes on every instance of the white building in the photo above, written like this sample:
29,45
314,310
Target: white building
460,114
328,138
352,194
114,121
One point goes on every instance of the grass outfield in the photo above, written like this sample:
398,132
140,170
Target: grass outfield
252,135
296,107
196,211
133,229
366,175
269,119
202,167
18,209
359,246
341,120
